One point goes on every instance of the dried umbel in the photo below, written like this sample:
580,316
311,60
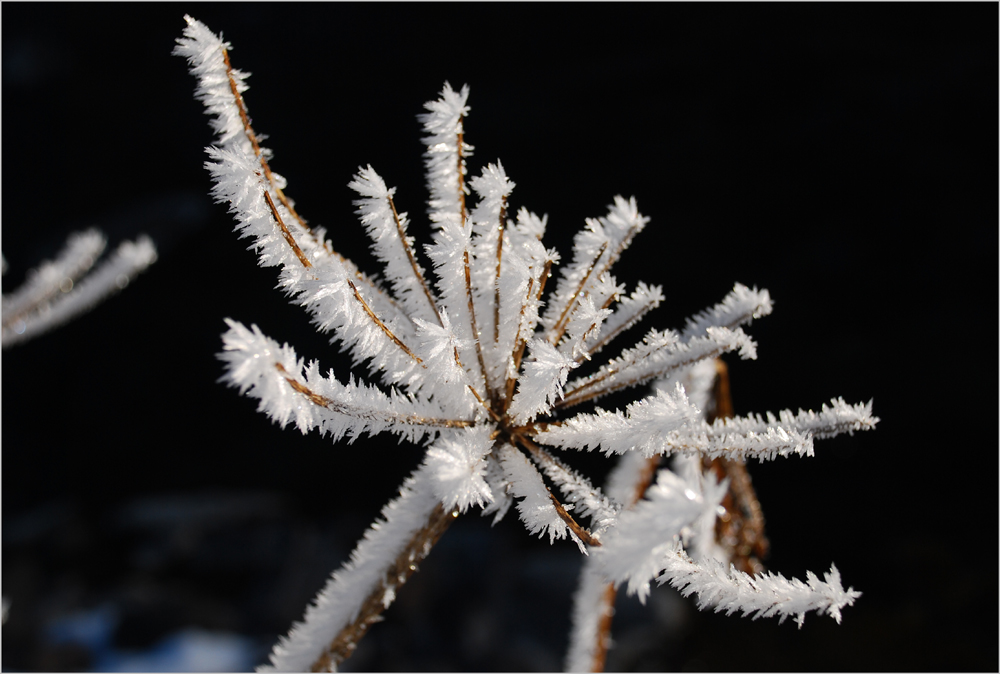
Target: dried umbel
477,366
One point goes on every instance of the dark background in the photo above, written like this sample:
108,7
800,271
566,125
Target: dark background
842,156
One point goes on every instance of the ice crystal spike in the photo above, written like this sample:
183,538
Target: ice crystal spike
474,362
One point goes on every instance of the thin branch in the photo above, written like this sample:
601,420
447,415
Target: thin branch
580,532
269,176
494,415
461,171
560,325
546,273
574,526
606,606
49,279
413,261
519,344
354,411
496,285
382,325
543,277
622,245
680,358
344,643
606,339
475,328
607,613
284,231
252,137
740,530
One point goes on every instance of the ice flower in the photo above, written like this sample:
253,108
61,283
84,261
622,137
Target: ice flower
480,365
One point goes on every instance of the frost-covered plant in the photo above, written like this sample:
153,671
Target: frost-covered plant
59,290
477,367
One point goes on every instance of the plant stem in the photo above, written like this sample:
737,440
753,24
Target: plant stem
405,564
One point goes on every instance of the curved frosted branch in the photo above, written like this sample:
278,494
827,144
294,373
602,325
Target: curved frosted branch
388,231
658,355
762,596
641,428
739,307
111,276
595,249
46,280
537,508
586,499
288,390
632,551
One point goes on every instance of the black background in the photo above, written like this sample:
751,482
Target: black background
842,156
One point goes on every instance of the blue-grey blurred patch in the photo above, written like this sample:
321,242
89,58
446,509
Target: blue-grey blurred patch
188,650
30,61
93,629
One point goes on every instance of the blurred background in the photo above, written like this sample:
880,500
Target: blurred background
842,156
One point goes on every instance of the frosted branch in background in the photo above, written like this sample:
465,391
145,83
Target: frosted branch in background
632,550
58,291
739,307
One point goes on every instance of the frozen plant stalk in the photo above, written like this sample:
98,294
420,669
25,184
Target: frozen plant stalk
59,290
472,367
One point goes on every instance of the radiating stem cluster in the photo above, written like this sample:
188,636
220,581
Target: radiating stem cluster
476,366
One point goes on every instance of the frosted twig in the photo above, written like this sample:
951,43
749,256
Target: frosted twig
55,293
761,596
358,592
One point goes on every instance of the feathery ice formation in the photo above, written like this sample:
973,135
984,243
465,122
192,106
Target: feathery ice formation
477,366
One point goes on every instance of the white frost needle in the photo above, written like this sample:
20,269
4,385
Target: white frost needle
468,367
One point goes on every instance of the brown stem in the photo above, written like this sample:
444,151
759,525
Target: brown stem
608,337
475,328
413,261
546,273
741,529
622,245
575,396
285,233
344,643
520,342
607,603
269,177
252,137
542,455
574,526
494,415
607,610
518,352
461,172
560,326
349,410
496,285
381,325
